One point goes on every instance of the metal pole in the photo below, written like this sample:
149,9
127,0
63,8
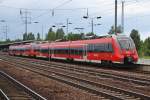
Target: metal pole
48,50
122,19
116,16
67,25
6,32
42,32
26,22
92,26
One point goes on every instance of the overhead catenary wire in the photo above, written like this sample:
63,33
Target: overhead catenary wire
106,10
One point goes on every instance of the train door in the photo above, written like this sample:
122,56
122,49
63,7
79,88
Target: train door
49,52
52,51
85,52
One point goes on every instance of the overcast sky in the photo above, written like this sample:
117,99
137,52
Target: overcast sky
137,16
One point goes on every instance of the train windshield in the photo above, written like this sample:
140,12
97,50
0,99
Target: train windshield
126,43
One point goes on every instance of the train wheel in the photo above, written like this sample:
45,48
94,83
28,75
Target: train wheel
70,60
34,56
128,61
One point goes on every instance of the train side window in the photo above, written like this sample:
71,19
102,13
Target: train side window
73,51
44,50
90,48
64,51
70,51
61,51
106,47
76,51
80,51
103,48
96,49
99,47
110,48
54,51
50,50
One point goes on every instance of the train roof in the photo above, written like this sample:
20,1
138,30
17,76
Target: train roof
103,39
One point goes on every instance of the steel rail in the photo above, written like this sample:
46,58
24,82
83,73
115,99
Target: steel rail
23,87
71,77
3,95
96,73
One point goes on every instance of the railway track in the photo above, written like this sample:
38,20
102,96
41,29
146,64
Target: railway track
97,88
3,96
119,67
93,72
11,89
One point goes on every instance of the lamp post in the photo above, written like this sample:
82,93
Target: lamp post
92,22
67,26
79,29
42,29
116,4
122,17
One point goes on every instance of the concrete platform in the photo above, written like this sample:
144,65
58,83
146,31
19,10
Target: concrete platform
144,61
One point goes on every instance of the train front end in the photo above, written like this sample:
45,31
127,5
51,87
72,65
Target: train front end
127,49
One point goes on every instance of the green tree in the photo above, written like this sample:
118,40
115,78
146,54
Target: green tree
38,37
69,36
51,35
73,37
31,36
142,49
136,38
82,35
25,36
8,40
147,46
17,40
112,30
60,33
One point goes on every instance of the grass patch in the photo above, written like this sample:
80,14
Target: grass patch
146,57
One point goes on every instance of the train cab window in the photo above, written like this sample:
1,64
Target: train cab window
126,43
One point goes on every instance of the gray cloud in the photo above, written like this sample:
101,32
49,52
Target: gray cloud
9,10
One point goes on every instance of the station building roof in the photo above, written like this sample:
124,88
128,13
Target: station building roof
6,45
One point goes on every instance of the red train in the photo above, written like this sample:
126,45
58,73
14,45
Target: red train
106,49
